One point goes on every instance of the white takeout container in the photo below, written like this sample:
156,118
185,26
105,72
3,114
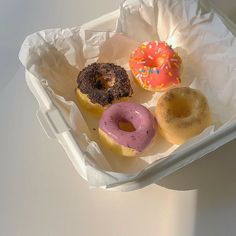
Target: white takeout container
56,127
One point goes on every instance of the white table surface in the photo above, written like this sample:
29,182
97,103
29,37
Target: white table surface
41,193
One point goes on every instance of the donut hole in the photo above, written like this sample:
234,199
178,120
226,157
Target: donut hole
104,81
126,125
180,107
158,62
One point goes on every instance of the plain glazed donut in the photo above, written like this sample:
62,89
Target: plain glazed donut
155,66
101,84
182,113
127,128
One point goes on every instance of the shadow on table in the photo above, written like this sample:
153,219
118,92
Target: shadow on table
214,176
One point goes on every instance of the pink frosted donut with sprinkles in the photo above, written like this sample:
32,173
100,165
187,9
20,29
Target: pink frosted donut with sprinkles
156,66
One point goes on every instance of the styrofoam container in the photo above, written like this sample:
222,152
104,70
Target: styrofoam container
56,127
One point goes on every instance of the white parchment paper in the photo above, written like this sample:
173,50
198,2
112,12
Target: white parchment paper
206,46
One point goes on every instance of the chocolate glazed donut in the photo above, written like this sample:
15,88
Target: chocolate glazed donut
103,84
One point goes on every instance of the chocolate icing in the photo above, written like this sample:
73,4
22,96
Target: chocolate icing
104,83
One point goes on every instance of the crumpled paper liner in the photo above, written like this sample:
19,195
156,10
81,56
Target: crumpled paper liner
206,46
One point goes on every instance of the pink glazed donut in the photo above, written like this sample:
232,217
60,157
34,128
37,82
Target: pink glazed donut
127,128
156,66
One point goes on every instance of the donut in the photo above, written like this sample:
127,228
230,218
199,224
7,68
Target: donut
101,84
182,113
155,66
127,128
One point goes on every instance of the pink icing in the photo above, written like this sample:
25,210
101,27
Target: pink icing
139,116
155,65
